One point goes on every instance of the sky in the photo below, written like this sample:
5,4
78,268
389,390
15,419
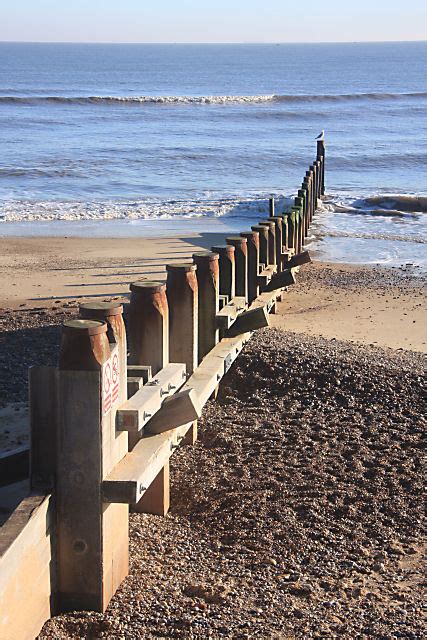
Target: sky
212,20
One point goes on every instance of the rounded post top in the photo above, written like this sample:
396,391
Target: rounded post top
147,287
224,248
249,234
236,240
100,310
266,222
78,326
201,256
179,267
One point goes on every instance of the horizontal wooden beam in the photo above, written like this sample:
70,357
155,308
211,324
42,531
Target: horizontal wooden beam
133,475
140,371
137,411
229,312
265,275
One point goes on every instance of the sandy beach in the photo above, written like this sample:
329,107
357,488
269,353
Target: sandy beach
297,513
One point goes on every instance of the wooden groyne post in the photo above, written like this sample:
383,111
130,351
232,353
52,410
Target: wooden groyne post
107,419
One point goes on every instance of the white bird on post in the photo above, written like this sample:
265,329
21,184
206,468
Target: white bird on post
321,135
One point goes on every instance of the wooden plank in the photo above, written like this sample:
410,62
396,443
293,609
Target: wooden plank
140,371
227,315
27,568
265,275
43,406
137,411
14,465
130,479
134,385
156,499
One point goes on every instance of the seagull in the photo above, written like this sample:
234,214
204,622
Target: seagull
321,135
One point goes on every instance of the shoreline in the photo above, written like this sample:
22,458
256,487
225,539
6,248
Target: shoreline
366,303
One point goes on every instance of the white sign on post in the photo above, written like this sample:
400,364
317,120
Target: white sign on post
110,382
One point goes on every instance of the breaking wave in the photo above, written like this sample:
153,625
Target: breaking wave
210,100
149,209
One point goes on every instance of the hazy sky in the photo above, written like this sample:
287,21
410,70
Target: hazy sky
212,20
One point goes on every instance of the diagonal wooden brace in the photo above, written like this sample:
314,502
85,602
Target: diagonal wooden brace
249,321
298,260
177,410
137,411
281,280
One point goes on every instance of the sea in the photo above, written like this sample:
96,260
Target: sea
142,139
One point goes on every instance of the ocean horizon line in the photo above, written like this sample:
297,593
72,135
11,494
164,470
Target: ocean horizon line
216,43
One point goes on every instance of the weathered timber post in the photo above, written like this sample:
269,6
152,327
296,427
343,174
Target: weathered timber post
271,207
319,178
149,324
92,537
305,188
278,224
262,231
112,313
309,181
299,202
271,240
300,227
313,168
208,300
293,228
227,270
241,262
302,193
182,296
285,232
149,345
290,225
321,152
252,239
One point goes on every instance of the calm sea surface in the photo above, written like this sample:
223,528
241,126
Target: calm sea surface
135,139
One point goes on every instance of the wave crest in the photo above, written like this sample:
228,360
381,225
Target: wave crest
210,100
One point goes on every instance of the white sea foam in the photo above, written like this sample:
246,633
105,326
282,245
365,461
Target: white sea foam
214,99
30,211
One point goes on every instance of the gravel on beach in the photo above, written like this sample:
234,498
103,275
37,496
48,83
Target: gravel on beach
298,512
